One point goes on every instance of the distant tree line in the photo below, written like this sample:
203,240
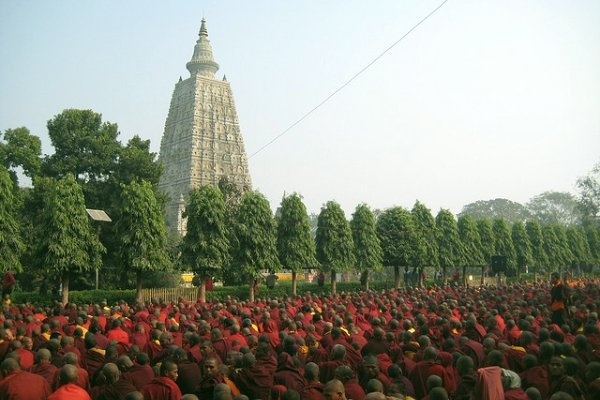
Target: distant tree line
47,237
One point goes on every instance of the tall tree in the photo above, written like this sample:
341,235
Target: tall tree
137,162
503,244
536,240
498,208
426,248
295,245
143,232
579,247
86,147
471,242
396,231
565,256
255,246
11,245
367,248
522,246
486,235
21,149
451,252
589,196
555,208
551,248
334,245
592,234
66,242
205,247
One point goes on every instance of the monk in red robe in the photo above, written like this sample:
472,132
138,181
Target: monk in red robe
43,366
68,387
423,369
141,373
288,374
17,384
163,387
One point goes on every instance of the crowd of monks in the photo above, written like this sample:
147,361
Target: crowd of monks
446,342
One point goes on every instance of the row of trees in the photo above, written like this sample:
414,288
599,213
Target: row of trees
46,229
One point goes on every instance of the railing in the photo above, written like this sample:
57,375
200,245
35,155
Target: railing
170,294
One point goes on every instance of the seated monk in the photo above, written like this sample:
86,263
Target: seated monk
68,388
17,384
164,386
115,386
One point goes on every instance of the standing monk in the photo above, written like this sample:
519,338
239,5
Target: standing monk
558,300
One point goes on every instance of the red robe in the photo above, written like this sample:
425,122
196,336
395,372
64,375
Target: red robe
353,390
189,376
24,385
288,374
26,358
117,390
161,388
45,370
255,382
139,375
421,372
314,391
70,391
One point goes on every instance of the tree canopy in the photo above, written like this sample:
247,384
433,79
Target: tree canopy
142,231
367,248
334,244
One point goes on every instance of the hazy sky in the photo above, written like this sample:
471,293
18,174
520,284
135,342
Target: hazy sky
485,99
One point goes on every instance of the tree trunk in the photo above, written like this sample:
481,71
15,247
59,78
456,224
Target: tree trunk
534,274
464,276
202,289
482,275
294,283
65,288
365,279
251,296
138,286
333,282
396,277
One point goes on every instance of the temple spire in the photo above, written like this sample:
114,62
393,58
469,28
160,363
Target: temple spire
202,62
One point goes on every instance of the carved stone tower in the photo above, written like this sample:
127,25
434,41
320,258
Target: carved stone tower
202,142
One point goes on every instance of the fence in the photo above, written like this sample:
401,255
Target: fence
170,294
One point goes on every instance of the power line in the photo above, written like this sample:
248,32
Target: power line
348,81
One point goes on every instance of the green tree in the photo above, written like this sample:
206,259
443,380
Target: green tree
536,240
86,147
498,208
255,246
565,256
522,246
21,149
579,247
205,247
143,232
551,248
334,245
367,248
137,162
592,234
555,208
450,247
396,231
589,196
295,244
426,249
66,242
471,242
503,244
486,235
11,245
